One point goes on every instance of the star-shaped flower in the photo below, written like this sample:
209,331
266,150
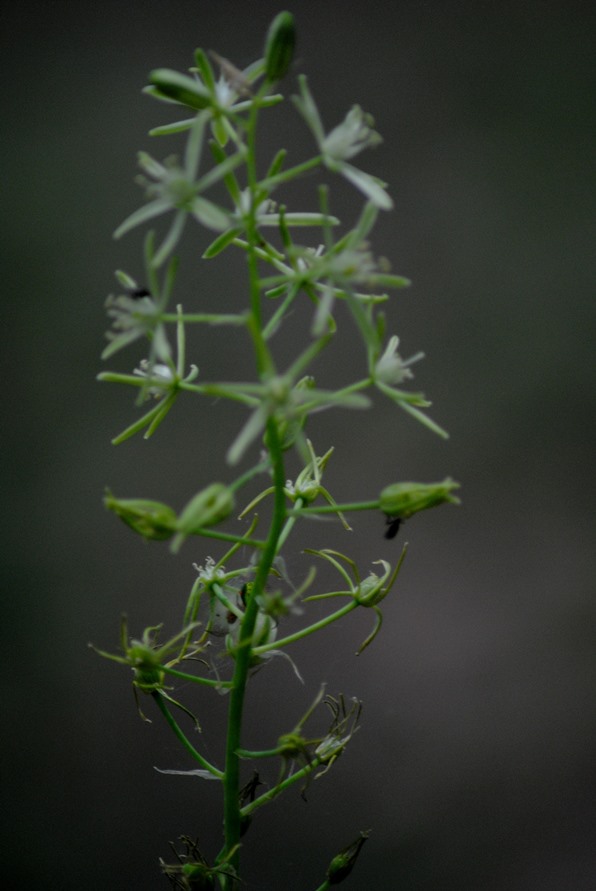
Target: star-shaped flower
348,139
172,186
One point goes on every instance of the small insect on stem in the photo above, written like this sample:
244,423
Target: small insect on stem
393,524
137,293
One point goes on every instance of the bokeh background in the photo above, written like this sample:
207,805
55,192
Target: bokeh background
475,762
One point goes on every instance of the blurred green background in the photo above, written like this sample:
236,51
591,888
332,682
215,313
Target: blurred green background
475,762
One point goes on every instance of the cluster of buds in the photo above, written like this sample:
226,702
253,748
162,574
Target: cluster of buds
156,521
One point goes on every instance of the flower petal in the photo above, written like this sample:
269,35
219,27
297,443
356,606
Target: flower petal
369,185
203,774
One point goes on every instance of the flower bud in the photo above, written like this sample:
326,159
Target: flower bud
180,87
148,679
373,588
279,46
151,519
208,507
405,499
342,864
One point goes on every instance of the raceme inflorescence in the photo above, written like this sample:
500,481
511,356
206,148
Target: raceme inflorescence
232,622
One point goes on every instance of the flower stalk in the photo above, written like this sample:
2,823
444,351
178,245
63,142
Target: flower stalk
244,610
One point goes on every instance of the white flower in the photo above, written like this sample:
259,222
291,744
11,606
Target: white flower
351,136
309,257
134,317
356,264
210,571
391,368
225,95
265,211
176,188
346,140
161,377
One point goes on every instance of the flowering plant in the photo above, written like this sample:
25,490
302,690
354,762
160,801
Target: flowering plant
242,602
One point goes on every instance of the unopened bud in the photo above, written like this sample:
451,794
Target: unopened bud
342,864
373,588
180,87
151,519
404,499
208,507
279,46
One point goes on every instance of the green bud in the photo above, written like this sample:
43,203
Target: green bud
151,519
208,507
292,745
405,499
180,88
373,588
279,46
342,864
149,679
288,430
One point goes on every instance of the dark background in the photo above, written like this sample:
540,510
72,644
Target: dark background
474,764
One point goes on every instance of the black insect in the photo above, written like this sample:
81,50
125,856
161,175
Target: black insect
393,524
137,293
248,792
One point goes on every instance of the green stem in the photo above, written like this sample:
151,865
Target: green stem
271,326
291,173
208,318
264,753
266,255
255,322
183,739
261,467
228,536
334,508
281,787
289,525
244,651
340,394
310,629
308,356
227,392
196,679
